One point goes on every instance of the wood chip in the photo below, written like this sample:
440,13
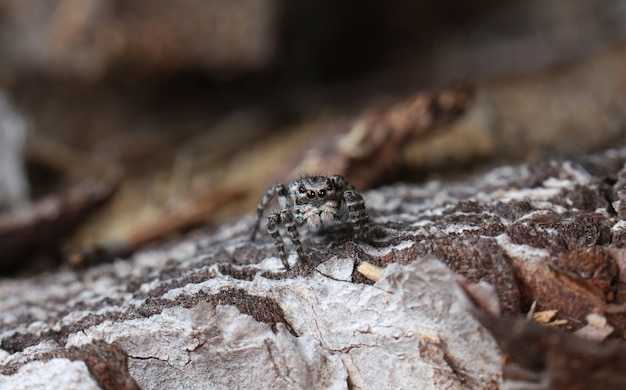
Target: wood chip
370,271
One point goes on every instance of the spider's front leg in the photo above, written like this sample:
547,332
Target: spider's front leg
285,218
357,213
282,198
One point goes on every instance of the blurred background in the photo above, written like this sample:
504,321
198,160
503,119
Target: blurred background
124,123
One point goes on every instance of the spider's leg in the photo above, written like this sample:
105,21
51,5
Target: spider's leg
341,183
282,197
357,213
285,218
292,229
273,221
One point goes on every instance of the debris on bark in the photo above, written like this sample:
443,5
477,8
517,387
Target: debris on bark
368,147
44,226
541,357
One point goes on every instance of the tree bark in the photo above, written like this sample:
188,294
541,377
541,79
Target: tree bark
214,310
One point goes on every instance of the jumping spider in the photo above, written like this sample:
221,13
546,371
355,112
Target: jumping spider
317,201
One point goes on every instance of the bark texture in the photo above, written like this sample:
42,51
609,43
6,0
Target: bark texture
213,310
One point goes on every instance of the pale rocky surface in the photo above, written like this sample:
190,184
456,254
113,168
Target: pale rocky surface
14,190
213,310
39,375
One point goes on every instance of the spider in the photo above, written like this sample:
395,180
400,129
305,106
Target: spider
317,201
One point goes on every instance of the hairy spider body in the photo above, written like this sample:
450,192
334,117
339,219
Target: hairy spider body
316,201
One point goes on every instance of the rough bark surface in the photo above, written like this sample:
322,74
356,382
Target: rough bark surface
216,311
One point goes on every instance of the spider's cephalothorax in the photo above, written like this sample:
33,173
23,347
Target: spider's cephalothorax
316,201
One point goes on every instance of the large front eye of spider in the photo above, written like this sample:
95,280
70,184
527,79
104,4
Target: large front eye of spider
321,194
310,194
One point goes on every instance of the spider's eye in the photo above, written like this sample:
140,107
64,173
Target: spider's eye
301,189
310,194
321,193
